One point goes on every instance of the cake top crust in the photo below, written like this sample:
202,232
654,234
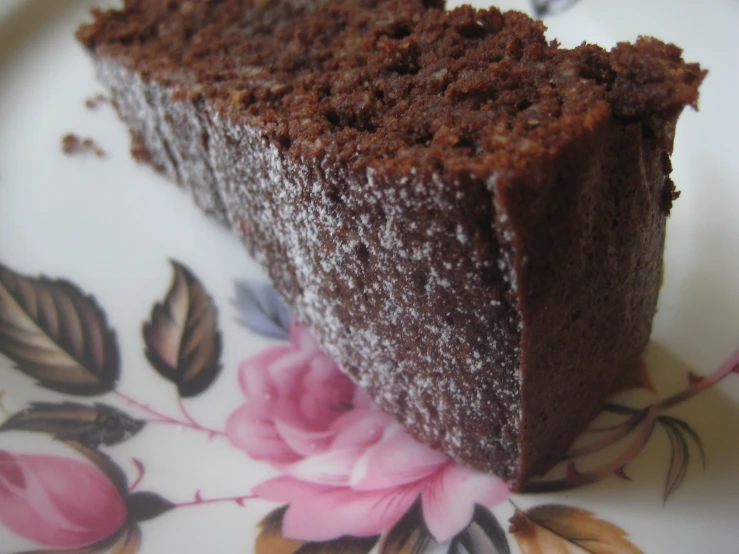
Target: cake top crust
396,85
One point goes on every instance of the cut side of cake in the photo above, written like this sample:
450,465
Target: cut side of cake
468,217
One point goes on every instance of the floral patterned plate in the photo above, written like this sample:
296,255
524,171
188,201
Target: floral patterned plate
156,395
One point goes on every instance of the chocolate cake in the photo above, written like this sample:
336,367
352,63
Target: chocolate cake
470,218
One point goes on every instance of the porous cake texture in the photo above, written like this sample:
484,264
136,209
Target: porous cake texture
468,217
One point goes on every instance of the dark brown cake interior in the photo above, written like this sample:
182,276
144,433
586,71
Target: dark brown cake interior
394,83
474,102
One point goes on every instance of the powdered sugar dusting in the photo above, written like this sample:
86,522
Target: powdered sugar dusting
366,262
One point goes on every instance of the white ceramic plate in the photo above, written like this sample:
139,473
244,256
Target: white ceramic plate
161,401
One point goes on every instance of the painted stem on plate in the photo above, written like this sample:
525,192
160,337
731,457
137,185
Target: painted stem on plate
140,472
642,423
199,500
159,417
700,383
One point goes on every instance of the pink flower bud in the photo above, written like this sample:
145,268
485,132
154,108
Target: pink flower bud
58,502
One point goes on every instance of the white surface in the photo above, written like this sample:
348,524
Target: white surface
110,226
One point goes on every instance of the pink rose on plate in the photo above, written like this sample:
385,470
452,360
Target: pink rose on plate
58,502
348,468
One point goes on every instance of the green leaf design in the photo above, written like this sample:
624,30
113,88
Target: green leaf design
484,535
691,433
57,335
618,409
183,342
143,506
679,452
271,541
91,426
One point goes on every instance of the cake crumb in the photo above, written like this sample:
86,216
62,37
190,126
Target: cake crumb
94,102
73,144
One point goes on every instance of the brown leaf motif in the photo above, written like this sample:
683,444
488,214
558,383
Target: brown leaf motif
91,426
409,535
143,506
556,529
182,339
543,8
57,335
129,542
271,541
483,535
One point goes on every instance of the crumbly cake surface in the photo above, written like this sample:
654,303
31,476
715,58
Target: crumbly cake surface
470,218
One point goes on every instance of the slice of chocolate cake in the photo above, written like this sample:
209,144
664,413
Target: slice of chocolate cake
468,217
